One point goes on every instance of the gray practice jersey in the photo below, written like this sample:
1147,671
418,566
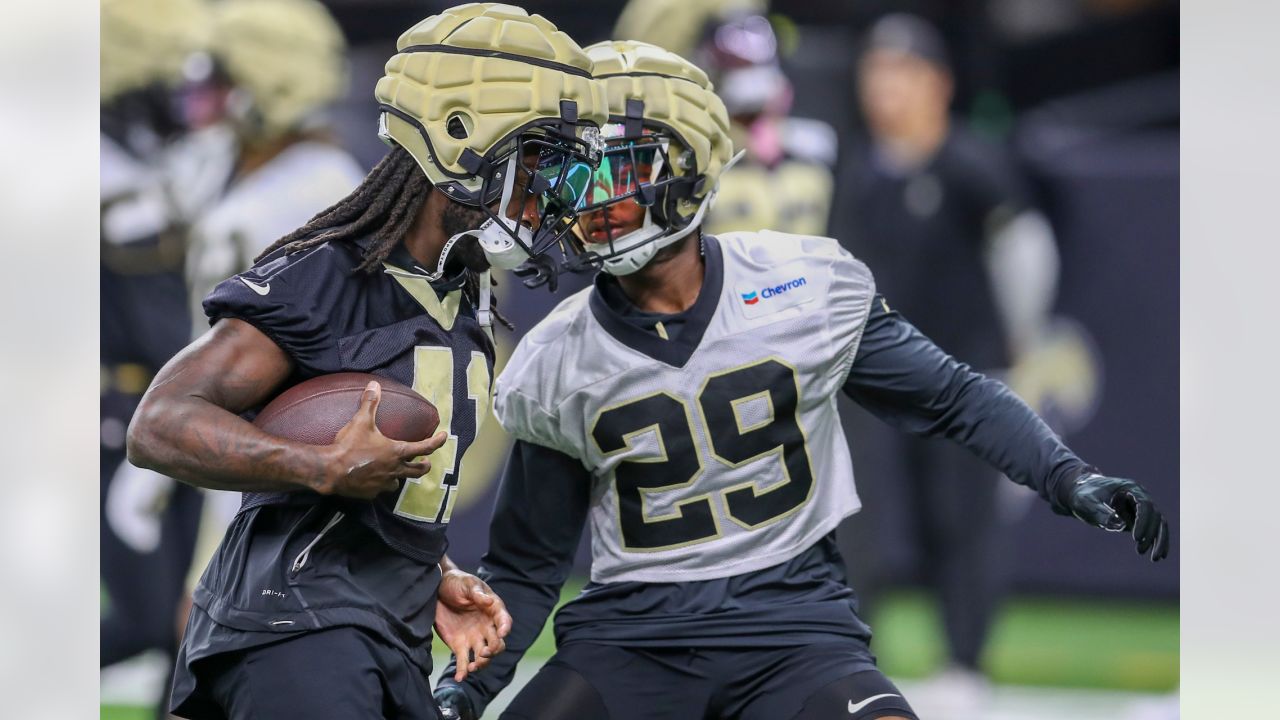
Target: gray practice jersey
717,450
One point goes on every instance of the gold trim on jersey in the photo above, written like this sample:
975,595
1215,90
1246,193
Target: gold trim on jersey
629,445
429,498
443,311
778,451
736,405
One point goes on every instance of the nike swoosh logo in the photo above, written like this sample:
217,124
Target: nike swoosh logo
855,708
260,289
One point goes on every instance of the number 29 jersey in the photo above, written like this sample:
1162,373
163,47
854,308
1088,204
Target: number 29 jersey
715,447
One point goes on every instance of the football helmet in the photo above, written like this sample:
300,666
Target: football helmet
666,145
285,59
485,94
678,25
146,41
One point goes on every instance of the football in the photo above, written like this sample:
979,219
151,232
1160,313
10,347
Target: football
315,410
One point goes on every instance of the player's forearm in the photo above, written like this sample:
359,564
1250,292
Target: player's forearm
909,382
197,442
537,521
986,417
530,606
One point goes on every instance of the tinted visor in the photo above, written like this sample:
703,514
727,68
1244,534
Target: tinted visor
567,178
549,171
627,170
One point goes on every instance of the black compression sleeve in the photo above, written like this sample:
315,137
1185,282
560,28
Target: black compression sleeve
909,382
538,519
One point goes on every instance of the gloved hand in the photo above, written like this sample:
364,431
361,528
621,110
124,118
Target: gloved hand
1117,504
454,703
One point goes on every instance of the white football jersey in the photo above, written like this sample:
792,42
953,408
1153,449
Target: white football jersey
717,452
135,205
262,207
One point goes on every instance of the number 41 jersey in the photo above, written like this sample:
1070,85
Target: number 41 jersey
715,447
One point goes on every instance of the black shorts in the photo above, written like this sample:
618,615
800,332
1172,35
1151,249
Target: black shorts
588,681
343,673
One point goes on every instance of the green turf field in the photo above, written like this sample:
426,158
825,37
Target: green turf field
1035,642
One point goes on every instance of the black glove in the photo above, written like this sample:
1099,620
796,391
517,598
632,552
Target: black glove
1116,504
454,703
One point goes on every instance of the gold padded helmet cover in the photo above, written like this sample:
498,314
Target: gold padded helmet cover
677,25
147,41
288,55
475,77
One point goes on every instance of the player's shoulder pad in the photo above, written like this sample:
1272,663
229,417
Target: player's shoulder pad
810,140
310,170
767,249
528,390
844,283
295,285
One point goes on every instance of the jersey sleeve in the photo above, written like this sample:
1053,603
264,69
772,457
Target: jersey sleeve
537,522
909,382
524,417
291,300
525,394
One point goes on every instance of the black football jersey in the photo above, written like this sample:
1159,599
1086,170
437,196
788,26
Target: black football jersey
329,317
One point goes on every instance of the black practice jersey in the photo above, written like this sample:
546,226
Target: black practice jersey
331,318
298,561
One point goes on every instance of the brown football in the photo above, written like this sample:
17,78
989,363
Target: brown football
315,410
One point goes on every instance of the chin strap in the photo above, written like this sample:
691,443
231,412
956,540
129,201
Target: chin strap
494,234
483,312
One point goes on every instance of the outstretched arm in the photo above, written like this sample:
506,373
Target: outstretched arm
909,382
537,521
188,426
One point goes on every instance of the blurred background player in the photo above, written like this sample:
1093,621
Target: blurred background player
784,181
148,521
947,225
262,159
272,70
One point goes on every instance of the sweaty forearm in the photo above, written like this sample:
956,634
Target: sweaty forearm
187,425
199,443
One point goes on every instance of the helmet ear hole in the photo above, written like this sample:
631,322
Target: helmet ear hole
459,126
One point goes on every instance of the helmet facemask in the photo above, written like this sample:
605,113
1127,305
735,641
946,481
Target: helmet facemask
547,166
640,166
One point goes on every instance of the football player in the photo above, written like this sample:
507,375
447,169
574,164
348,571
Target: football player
784,181
320,600
685,406
147,520
273,68
262,159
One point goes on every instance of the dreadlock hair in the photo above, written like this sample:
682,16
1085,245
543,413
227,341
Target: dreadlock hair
383,207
